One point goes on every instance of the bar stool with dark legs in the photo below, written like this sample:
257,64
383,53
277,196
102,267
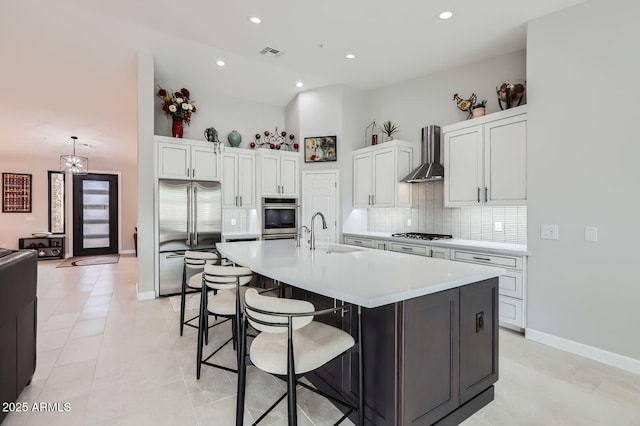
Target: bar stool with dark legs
291,344
229,283
194,262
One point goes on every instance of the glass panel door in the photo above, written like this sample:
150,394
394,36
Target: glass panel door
95,214
56,202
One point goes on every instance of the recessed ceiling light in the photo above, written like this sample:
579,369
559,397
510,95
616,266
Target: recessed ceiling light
255,20
446,15
350,56
299,84
220,63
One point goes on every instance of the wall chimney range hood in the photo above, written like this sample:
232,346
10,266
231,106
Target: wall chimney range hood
430,170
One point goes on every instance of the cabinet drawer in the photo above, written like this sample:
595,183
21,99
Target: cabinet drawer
411,249
488,259
511,284
362,242
440,253
510,311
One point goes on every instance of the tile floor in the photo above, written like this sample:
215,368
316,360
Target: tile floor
119,361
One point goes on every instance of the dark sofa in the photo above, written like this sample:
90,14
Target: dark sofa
18,320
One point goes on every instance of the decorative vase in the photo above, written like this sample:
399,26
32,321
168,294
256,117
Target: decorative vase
177,128
234,138
478,112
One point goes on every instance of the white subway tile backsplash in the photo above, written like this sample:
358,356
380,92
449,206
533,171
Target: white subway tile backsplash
428,214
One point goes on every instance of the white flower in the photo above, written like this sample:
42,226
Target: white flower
190,107
179,100
185,106
172,108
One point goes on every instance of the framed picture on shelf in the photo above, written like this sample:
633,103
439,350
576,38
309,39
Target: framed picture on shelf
16,193
319,149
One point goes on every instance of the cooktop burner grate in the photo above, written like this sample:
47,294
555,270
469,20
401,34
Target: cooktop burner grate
422,236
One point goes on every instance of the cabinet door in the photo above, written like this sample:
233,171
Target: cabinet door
229,180
463,167
362,180
384,179
440,253
270,174
478,337
204,164
431,338
289,176
173,161
380,245
246,181
505,158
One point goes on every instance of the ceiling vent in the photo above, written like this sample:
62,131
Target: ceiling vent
270,51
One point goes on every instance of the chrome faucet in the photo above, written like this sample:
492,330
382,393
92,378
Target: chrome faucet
313,235
304,228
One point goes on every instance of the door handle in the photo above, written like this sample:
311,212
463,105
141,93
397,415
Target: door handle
193,172
369,201
486,190
188,172
240,205
486,259
478,194
188,217
236,203
195,216
373,200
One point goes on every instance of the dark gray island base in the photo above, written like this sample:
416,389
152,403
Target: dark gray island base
428,360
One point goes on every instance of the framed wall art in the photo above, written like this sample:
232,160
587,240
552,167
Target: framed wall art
16,193
319,149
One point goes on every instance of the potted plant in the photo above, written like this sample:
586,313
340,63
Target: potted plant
479,109
389,128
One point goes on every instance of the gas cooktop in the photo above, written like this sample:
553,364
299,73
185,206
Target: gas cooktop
421,236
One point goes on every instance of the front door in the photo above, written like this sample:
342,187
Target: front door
95,214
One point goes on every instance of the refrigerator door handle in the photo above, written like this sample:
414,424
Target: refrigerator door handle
195,216
188,242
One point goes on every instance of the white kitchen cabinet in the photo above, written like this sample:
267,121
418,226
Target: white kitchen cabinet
360,242
485,160
440,253
279,174
377,171
416,249
239,178
512,285
188,159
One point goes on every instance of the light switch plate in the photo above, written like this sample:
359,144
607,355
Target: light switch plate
591,233
409,222
549,232
233,221
497,226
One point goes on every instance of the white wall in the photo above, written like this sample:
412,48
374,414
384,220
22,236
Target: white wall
333,110
582,160
416,103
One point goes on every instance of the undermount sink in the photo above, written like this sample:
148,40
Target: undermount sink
334,248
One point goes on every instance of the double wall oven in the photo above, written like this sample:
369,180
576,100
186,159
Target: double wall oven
279,218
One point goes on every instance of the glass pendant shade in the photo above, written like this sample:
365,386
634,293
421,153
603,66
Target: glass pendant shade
74,163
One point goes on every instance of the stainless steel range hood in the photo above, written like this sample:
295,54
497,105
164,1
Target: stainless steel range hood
430,170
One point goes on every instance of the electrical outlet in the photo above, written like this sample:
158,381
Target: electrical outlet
234,221
409,222
497,226
549,232
591,233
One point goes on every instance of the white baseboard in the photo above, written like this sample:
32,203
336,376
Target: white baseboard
144,295
596,354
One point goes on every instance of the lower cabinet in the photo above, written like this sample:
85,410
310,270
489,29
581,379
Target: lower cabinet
424,358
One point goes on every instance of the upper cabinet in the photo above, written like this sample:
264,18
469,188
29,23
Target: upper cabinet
279,173
239,178
377,171
485,160
189,159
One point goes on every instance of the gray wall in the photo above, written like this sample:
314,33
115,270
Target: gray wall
583,170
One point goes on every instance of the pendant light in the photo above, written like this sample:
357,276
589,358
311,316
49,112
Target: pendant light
74,163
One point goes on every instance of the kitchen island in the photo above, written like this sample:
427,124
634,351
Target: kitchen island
429,326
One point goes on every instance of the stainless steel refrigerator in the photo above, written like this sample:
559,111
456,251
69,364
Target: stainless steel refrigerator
189,218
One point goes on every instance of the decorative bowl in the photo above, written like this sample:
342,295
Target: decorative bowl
41,234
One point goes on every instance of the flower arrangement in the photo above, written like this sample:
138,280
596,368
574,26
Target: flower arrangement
389,128
177,105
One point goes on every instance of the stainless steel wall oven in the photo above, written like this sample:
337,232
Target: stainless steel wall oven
279,218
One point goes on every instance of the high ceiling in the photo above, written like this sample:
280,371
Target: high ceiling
73,61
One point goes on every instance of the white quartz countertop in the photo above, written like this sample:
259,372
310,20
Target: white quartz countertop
485,246
365,277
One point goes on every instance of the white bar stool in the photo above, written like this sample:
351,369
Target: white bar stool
194,262
290,344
